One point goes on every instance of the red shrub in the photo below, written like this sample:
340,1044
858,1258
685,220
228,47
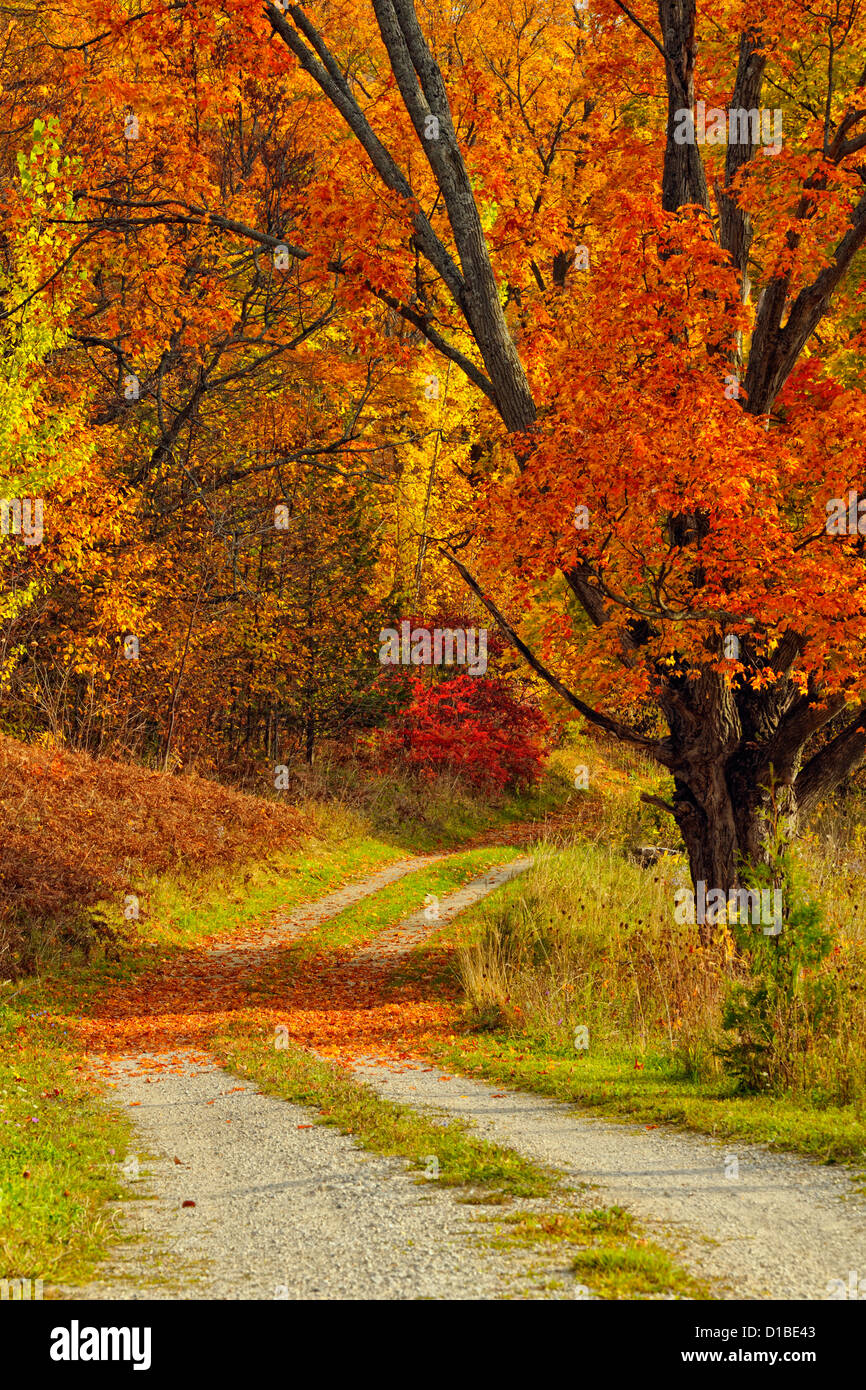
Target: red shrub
472,725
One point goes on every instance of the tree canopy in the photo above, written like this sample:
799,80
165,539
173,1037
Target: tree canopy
556,311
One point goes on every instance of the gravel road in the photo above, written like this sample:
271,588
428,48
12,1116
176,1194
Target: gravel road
396,942
285,1208
783,1227
287,927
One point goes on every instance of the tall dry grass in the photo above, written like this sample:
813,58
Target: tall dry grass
588,939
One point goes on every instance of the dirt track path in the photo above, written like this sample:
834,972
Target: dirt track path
277,1206
287,1208
287,928
753,1223
284,1208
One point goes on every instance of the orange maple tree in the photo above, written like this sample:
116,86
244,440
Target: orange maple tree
666,333
635,232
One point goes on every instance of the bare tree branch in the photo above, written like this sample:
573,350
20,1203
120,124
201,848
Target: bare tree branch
612,726
640,25
327,76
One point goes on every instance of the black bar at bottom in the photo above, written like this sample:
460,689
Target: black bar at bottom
171,1341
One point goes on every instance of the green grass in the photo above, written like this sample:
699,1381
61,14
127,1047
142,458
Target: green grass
608,1082
182,913
613,1256
56,1174
383,1127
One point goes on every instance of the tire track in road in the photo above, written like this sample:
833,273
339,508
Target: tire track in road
752,1223
246,1197
288,928
392,945
755,1224
242,1196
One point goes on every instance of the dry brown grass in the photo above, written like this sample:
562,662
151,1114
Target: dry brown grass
75,830
587,938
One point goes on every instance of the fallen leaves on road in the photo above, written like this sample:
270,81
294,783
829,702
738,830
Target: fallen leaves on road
343,1010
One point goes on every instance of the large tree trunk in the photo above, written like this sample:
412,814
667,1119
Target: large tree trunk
727,833
726,836
736,757
707,822
719,803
